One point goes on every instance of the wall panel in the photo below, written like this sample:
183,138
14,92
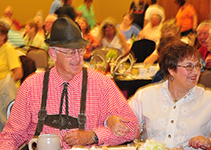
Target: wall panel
24,10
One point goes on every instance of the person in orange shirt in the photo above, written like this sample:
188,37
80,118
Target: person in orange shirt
186,18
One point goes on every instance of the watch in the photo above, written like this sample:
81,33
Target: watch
95,139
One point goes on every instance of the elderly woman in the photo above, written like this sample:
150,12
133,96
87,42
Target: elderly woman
138,9
177,109
88,12
110,36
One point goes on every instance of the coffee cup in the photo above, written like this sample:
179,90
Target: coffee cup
46,142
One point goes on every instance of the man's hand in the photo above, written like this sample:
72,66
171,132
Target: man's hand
79,138
116,125
198,142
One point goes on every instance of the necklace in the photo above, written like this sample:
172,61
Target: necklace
175,99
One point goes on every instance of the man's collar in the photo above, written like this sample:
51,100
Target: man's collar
74,82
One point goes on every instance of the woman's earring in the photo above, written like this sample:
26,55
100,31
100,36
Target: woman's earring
172,79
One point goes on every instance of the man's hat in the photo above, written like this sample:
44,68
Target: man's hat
65,33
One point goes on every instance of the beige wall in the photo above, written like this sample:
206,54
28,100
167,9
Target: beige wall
24,10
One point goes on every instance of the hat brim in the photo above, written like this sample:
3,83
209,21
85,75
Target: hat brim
68,44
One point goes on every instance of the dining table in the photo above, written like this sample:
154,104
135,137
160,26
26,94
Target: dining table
141,75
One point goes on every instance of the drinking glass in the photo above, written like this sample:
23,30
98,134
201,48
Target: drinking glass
143,136
122,68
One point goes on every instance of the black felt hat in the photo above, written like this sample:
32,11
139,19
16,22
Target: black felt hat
65,33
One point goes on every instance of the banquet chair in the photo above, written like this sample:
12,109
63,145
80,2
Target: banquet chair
9,108
28,65
39,56
142,49
205,79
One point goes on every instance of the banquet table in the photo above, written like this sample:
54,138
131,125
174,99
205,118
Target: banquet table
129,86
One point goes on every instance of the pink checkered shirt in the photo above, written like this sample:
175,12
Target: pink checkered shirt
103,99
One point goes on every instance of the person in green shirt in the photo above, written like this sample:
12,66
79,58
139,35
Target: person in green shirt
88,13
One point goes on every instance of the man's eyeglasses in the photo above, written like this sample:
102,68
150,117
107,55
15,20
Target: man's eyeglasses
190,67
70,52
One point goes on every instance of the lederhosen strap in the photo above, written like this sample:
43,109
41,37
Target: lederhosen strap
43,113
82,116
53,120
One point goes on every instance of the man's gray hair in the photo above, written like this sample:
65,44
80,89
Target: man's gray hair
204,23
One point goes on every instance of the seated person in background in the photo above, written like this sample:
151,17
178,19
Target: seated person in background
208,58
168,28
177,109
186,18
203,33
127,28
10,71
86,35
31,37
154,8
49,20
103,98
152,30
14,37
110,36
8,12
39,19
88,13
138,9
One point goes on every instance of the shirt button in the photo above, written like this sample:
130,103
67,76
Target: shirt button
172,121
174,107
169,136
175,100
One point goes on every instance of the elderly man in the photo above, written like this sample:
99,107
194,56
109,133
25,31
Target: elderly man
154,8
203,32
152,30
99,97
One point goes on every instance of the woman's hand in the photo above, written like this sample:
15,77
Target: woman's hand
116,125
198,142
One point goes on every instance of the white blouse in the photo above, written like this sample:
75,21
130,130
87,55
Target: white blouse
115,43
173,123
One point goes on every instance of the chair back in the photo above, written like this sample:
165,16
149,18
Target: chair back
39,56
28,66
142,49
205,79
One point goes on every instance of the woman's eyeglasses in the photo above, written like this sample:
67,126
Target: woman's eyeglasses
190,67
